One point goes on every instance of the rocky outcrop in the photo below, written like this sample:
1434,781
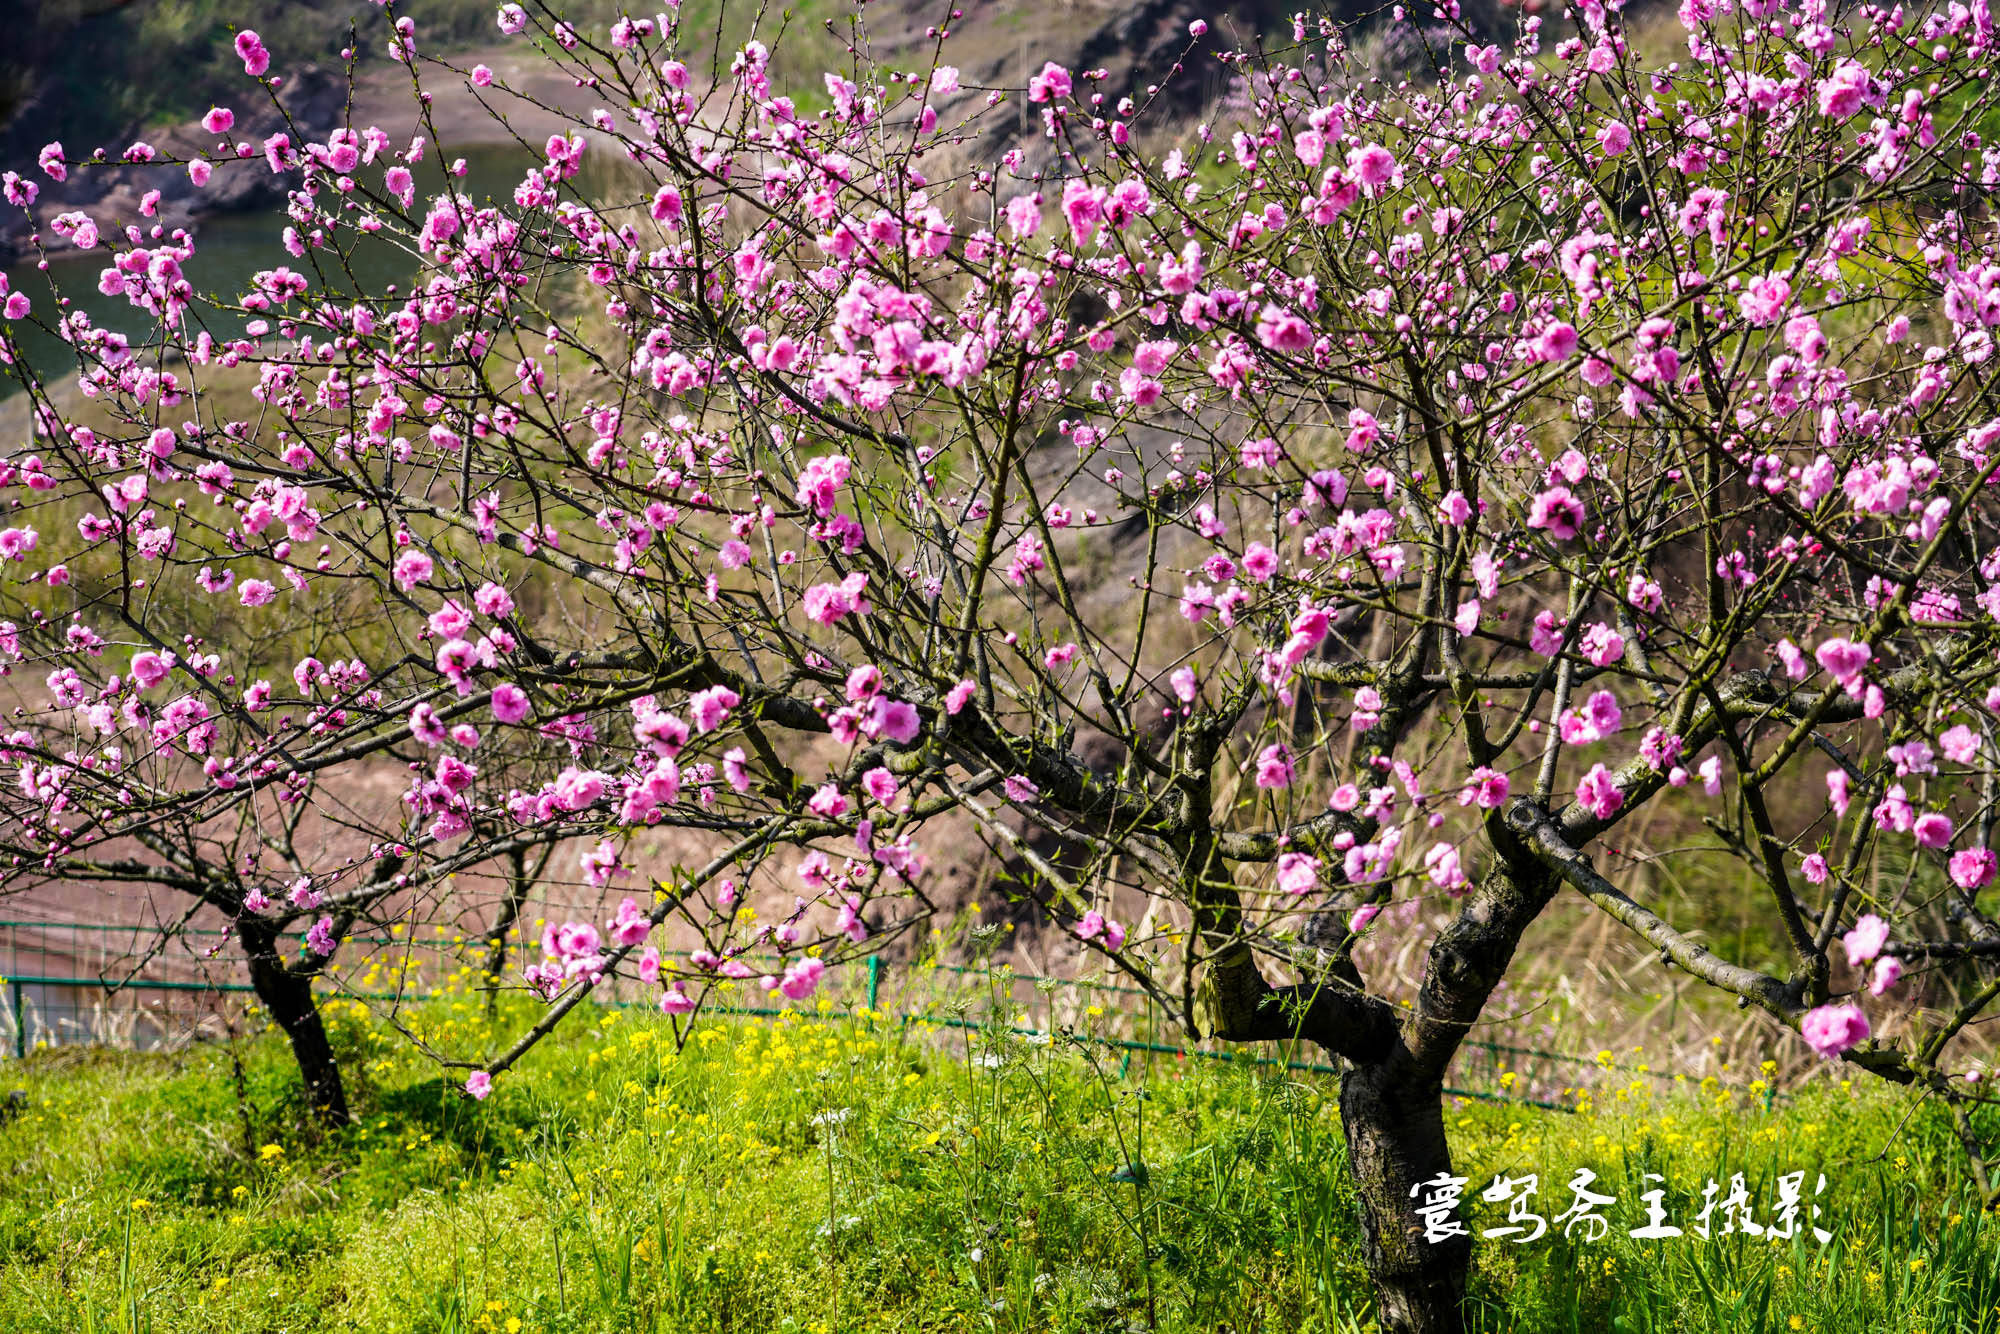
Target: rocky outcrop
309,105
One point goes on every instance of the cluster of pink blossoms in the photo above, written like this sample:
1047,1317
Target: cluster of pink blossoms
789,541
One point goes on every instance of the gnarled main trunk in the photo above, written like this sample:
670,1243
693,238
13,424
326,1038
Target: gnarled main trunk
1393,1115
288,997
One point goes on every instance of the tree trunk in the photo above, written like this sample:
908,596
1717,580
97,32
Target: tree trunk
519,882
288,997
1393,1115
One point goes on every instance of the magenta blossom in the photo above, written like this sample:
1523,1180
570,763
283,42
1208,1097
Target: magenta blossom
1598,793
1866,940
1052,84
711,706
1833,1029
1485,788
509,703
1274,767
1844,660
1559,511
250,48
801,979
1972,868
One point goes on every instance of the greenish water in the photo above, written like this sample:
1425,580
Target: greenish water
230,247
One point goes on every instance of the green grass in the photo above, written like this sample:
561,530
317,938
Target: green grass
810,1174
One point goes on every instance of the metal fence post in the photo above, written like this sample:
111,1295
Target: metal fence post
874,978
18,995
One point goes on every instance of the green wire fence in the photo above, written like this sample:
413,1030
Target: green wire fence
145,985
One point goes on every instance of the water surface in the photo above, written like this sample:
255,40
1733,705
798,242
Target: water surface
230,247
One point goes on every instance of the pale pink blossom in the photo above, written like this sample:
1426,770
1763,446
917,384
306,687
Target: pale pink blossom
710,707
1274,767
1298,872
1866,940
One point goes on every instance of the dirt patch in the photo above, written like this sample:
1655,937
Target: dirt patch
529,100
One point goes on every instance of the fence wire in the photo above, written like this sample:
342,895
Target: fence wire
152,986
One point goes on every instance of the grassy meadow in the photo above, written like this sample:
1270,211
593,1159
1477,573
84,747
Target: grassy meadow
807,1172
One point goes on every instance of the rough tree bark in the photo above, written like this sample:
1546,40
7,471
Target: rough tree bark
1392,1114
288,996
1393,1062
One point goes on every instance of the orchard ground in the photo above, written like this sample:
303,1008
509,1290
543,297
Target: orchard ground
808,1172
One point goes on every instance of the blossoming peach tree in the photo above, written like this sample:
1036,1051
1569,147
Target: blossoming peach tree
1391,486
